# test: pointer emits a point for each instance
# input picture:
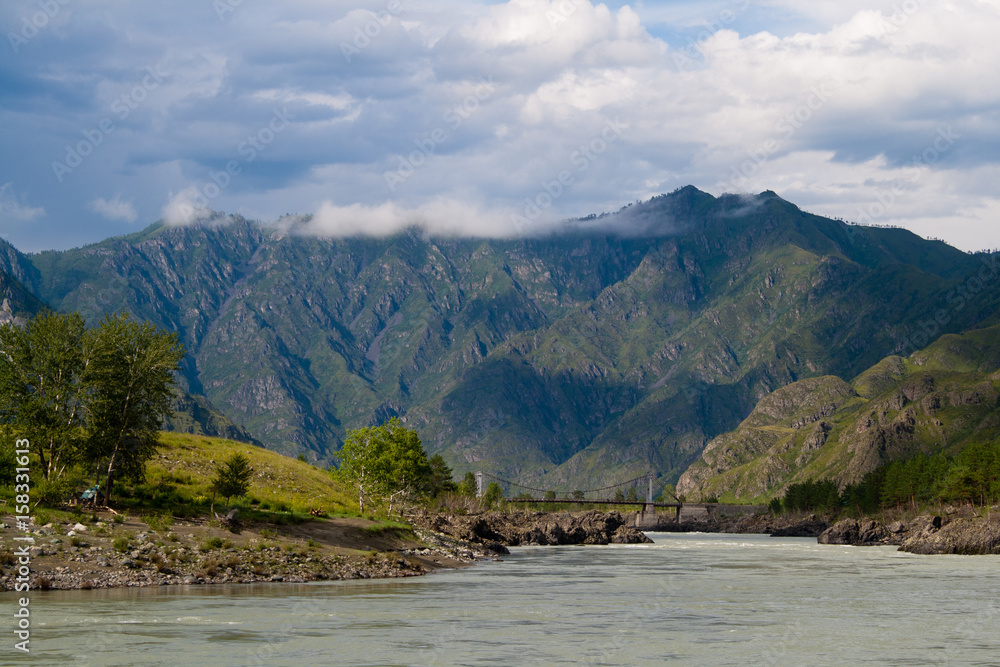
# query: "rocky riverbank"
(105, 554)
(498, 530)
(965, 533)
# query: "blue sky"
(490, 118)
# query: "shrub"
(159, 522)
(121, 544)
(211, 543)
(53, 492)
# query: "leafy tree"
(578, 495)
(383, 462)
(493, 494)
(40, 391)
(631, 495)
(232, 478)
(467, 487)
(128, 379)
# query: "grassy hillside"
(939, 399)
(196, 415)
(180, 475)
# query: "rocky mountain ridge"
(937, 399)
(617, 346)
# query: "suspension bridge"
(623, 493)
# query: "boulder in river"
(856, 532)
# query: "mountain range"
(936, 400)
(612, 346)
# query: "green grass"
(389, 528)
(282, 489)
(213, 543)
(159, 522)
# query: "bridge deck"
(587, 501)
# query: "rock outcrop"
(967, 536)
(926, 534)
(541, 528)
(856, 532)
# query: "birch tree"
(384, 462)
(129, 379)
(40, 392)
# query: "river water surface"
(689, 599)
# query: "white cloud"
(186, 208)
(116, 209)
(441, 216)
(13, 210)
(894, 72)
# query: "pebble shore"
(89, 557)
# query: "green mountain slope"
(939, 399)
(16, 302)
(195, 415)
(621, 345)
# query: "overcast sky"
(490, 117)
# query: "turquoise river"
(689, 599)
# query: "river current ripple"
(690, 599)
